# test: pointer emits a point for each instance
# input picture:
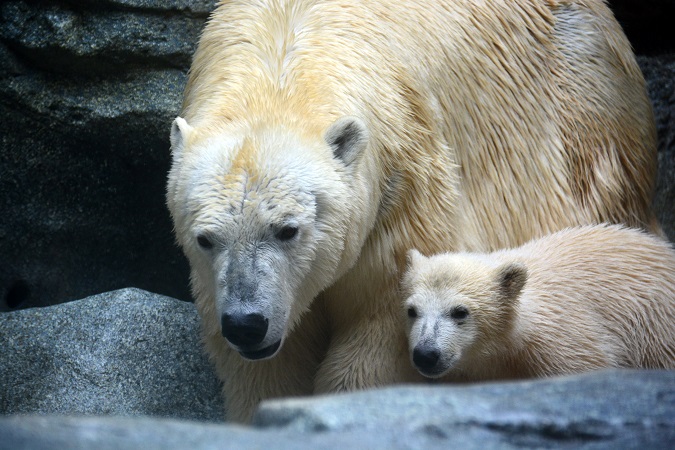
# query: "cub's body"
(580, 299)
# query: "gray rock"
(660, 75)
(114, 433)
(126, 352)
(606, 410)
(196, 7)
(71, 371)
(88, 39)
(664, 203)
(620, 409)
(88, 90)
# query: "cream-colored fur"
(580, 299)
(373, 127)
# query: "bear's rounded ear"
(179, 131)
(511, 279)
(348, 137)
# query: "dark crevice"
(648, 25)
(18, 294)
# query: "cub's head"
(457, 306)
(267, 217)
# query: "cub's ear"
(179, 132)
(511, 279)
(348, 137)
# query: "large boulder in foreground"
(68, 369)
(127, 352)
(604, 410)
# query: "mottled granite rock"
(606, 410)
(660, 75)
(125, 353)
(88, 90)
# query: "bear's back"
(546, 129)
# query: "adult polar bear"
(320, 140)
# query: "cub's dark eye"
(412, 313)
(459, 313)
(204, 242)
(287, 233)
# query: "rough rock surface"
(608, 410)
(70, 371)
(125, 353)
(620, 409)
(88, 90)
(660, 75)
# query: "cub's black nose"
(426, 356)
(244, 330)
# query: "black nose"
(426, 356)
(244, 329)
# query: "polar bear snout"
(244, 330)
(425, 357)
(250, 335)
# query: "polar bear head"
(268, 216)
(458, 305)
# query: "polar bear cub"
(580, 299)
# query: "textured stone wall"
(88, 90)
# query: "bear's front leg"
(369, 353)
(290, 373)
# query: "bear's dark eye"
(412, 313)
(287, 233)
(459, 313)
(204, 242)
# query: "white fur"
(481, 127)
(581, 299)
